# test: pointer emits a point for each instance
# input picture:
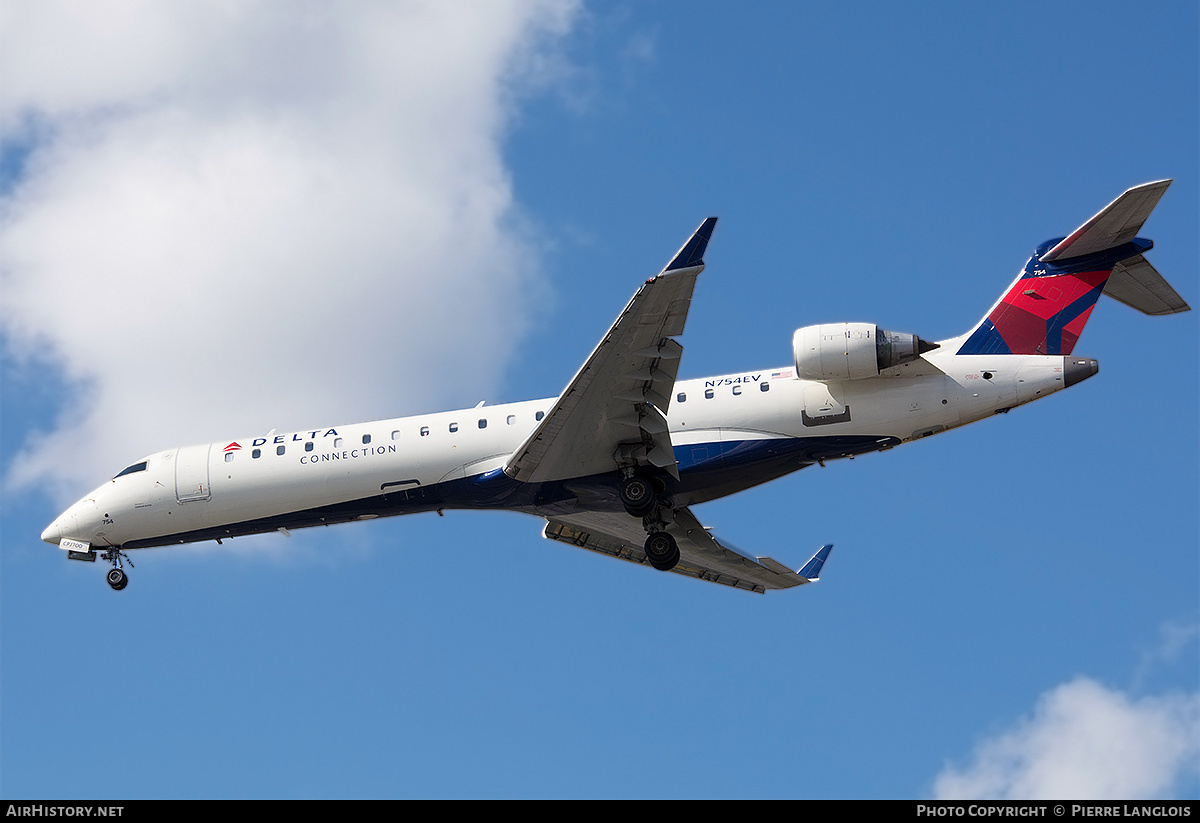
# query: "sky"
(221, 219)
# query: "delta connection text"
(324, 457)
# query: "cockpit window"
(136, 467)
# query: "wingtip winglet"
(692, 253)
(812, 569)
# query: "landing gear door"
(191, 474)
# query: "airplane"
(618, 460)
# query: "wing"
(701, 555)
(613, 411)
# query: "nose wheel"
(116, 576)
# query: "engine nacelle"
(852, 351)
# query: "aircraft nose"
(62, 527)
(53, 533)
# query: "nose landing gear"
(116, 576)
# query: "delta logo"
(233, 447)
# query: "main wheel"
(662, 551)
(117, 579)
(637, 495)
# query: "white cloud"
(1178, 640)
(238, 217)
(1086, 741)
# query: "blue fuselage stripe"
(706, 470)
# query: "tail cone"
(1078, 369)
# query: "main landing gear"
(116, 576)
(639, 496)
(662, 551)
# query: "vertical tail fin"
(1045, 309)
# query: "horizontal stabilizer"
(1138, 284)
(1116, 224)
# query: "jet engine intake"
(852, 351)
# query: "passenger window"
(424, 431)
(708, 394)
(482, 423)
(681, 397)
(366, 439)
(337, 442)
(737, 389)
(228, 457)
(257, 453)
(453, 427)
(280, 449)
(396, 434)
(764, 386)
(539, 415)
(512, 418)
(308, 446)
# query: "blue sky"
(266, 221)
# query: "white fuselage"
(728, 433)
